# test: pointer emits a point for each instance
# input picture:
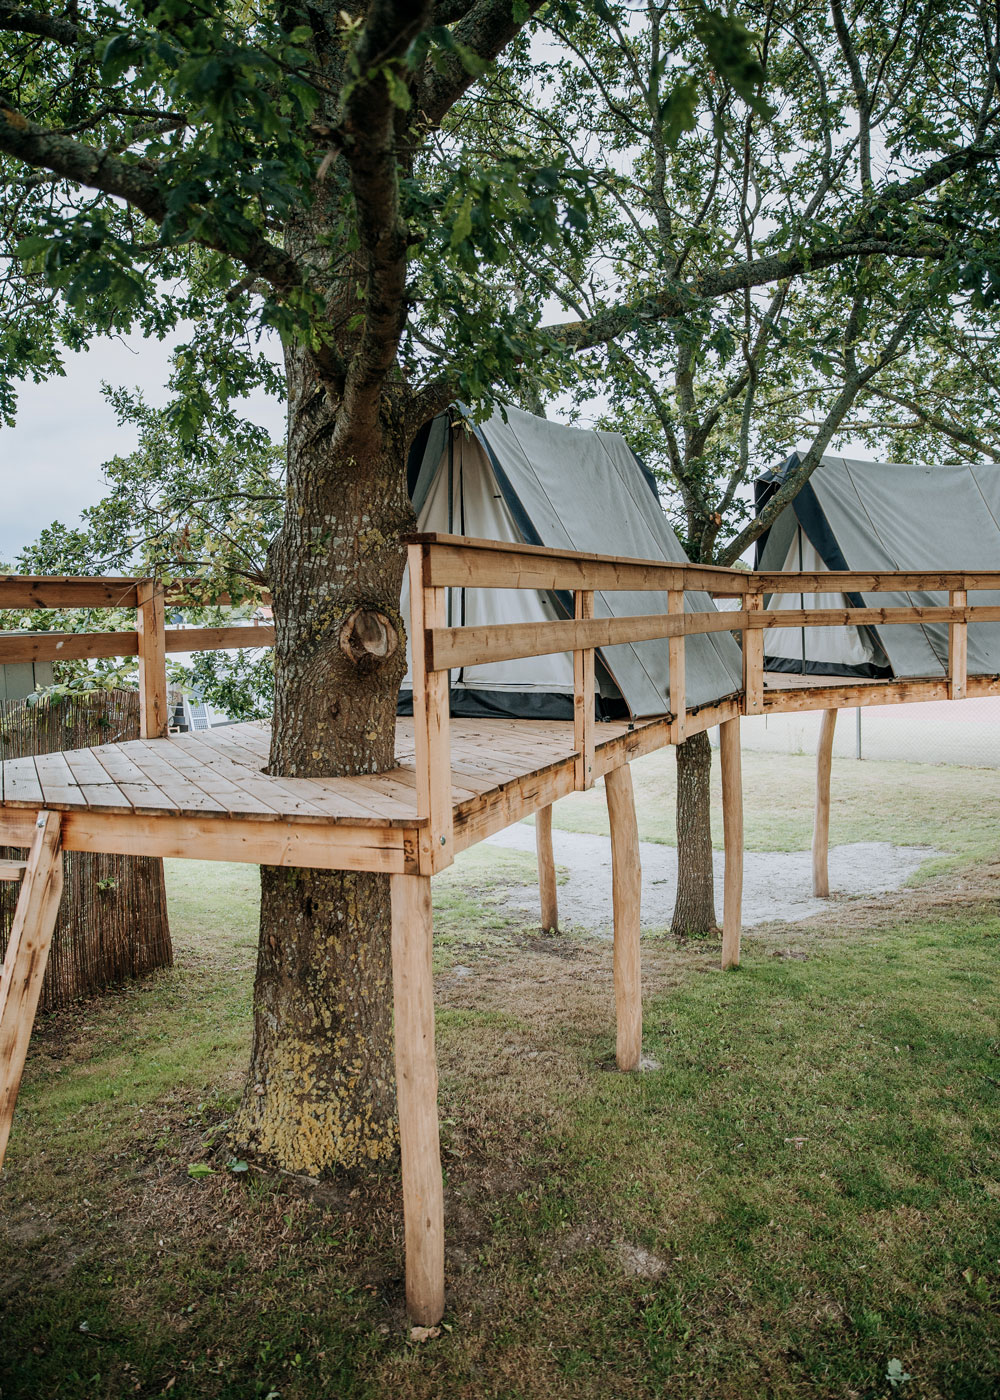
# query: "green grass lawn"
(803, 1193)
(910, 804)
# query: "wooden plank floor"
(219, 773)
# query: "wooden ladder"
(41, 877)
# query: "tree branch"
(17, 20)
(371, 157)
(794, 482)
(98, 168)
(864, 239)
(678, 298)
(485, 30)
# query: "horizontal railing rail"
(26, 591)
(884, 581)
(85, 646)
(452, 647)
(151, 641)
(456, 561)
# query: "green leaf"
(33, 244)
(462, 224)
(200, 1169)
(399, 93)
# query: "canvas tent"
(854, 514)
(528, 480)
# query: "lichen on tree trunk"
(320, 1093)
(694, 908)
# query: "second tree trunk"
(694, 909)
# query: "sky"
(51, 460)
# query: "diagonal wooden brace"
(27, 955)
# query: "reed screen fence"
(112, 923)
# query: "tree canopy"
(818, 241)
(427, 199)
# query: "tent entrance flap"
(817, 651)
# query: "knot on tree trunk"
(368, 638)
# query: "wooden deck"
(207, 796)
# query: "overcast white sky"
(50, 462)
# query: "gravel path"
(776, 884)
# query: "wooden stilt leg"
(732, 828)
(416, 1090)
(626, 878)
(821, 827)
(27, 955)
(546, 870)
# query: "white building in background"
(22, 678)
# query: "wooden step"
(12, 869)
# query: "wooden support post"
(151, 627)
(821, 826)
(431, 723)
(753, 659)
(416, 1093)
(548, 897)
(27, 955)
(626, 883)
(732, 836)
(675, 655)
(583, 698)
(958, 648)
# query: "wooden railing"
(151, 641)
(957, 613)
(439, 562)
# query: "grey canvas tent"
(532, 481)
(853, 514)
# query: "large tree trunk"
(320, 1092)
(694, 908)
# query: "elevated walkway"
(208, 796)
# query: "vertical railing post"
(732, 832)
(626, 895)
(753, 659)
(675, 656)
(583, 697)
(821, 825)
(958, 648)
(547, 887)
(416, 1096)
(431, 721)
(151, 629)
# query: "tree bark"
(694, 908)
(320, 1092)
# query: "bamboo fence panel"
(113, 919)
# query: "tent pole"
(626, 885)
(821, 828)
(732, 828)
(548, 897)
